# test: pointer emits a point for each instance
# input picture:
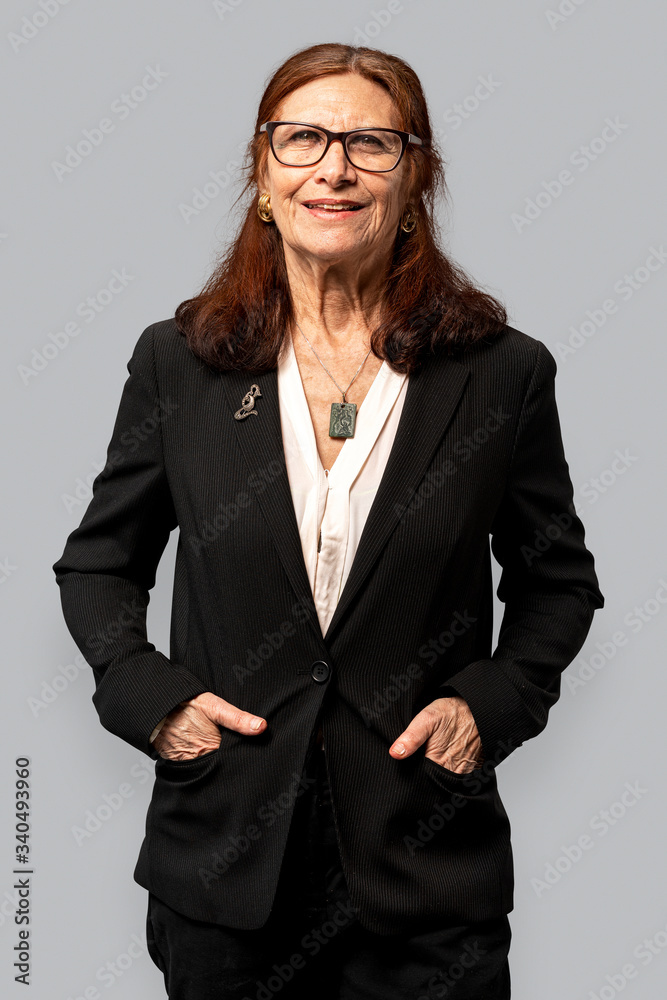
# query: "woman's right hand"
(192, 728)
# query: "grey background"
(121, 208)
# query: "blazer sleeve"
(548, 582)
(109, 564)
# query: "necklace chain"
(327, 370)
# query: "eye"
(305, 135)
(368, 140)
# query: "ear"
(262, 180)
(412, 195)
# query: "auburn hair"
(241, 315)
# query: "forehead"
(340, 101)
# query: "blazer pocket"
(473, 784)
(187, 762)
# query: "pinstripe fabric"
(477, 457)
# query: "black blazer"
(477, 454)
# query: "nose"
(335, 166)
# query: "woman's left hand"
(452, 740)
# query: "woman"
(336, 424)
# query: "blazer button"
(320, 671)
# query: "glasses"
(298, 144)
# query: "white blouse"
(332, 505)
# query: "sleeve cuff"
(157, 729)
(496, 705)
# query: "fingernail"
(398, 748)
(255, 724)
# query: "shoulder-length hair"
(240, 317)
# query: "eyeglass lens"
(374, 149)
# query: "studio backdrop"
(124, 127)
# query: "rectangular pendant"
(342, 420)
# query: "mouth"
(328, 207)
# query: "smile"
(328, 208)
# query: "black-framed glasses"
(299, 144)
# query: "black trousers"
(312, 945)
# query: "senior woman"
(337, 424)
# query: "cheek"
(286, 208)
(391, 210)
(391, 200)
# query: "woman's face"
(339, 102)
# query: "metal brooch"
(248, 403)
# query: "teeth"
(332, 208)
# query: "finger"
(230, 716)
(416, 733)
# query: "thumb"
(223, 713)
(417, 732)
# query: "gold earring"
(408, 220)
(264, 208)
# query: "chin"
(334, 248)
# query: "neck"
(337, 304)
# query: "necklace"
(343, 415)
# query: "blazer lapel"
(430, 401)
(261, 441)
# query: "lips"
(330, 207)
